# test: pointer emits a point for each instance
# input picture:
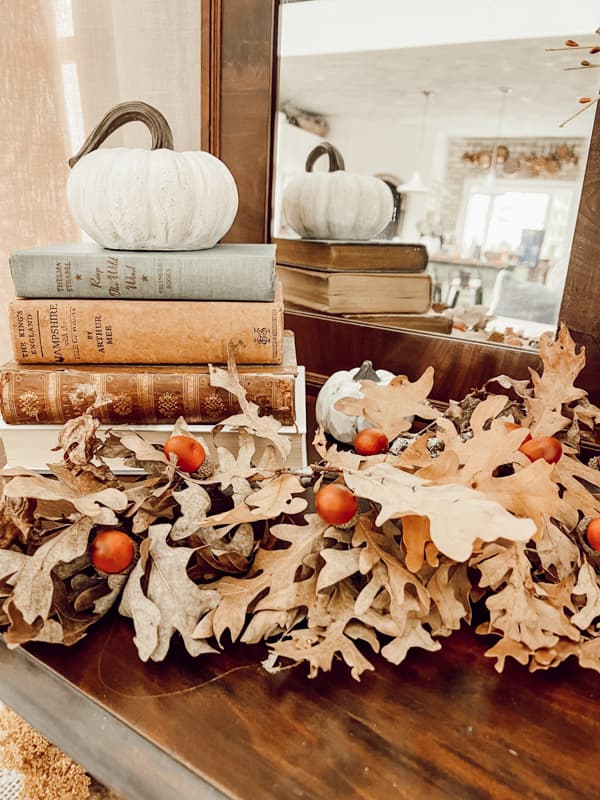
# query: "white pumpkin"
(135, 199)
(336, 204)
(346, 383)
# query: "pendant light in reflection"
(490, 179)
(415, 184)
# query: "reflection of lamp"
(415, 184)
(491, 176)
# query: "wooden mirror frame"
(239, 58)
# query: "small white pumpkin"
(336, 204)
(346, 383)
(136, 199)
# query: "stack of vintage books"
(137, 330)
(378, 282)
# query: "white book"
(31, 446)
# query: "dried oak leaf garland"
(449, 516)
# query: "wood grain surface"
(441, 725)
(238, 82)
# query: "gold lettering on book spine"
(143, 397)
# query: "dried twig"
(580, 111)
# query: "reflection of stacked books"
(356, 278)
(135, 331)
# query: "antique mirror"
(269, 82)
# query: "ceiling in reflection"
(465, 79)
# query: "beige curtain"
(63, 64)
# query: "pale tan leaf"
(394, 596)
(11, 562)
(274, 498)
(194, 503)
(241, 542)
(391, 407)
(342, 459)
(443, 469)
(586, 587)
(549, 657)
(555, 386)
(519, 615)
(555, 549)
(232, 467)
(589, 654)
(273, 571)
(529, 492)
(143, 451)
(78, 439)
(269, 460)
(569, 473)
(449, 589)
(39, 488)
(33, 586)
(487, 410)
(490, 447)
(264, 624)
(458, 515)
(266, 427)
(367, 597)
(416, 455)
(171, 601)
(320, 645)
(51, 633)
(414, 636)
(339, 565)
(521, 388)
(587, 413)
(498, 562)
(505, 648)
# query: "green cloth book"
(86, 271)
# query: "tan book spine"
(143, 397)
(144, 331)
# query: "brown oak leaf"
(273, 571)
(194, 504)
(391, 407)
(586, 587)
(555, 386)
(449, 588)
(38, 487)
(161, 599)
(320, 645)
(265, 427)
(275, 497)
(233, 470)
(78, 439)
(33, 587)
(458, 515)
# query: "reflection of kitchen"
(481, 172)
(497, 222)
(518, 217)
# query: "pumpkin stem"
(366, 373)
(336, 161)
(121, 114)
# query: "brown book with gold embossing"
(144, 394)
(145, 331)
